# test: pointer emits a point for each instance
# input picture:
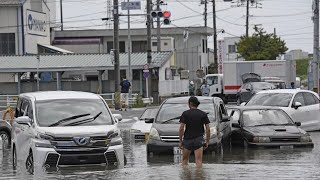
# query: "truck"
(226, 84)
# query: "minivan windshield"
(265, 117)
(169, 111)
(72, 112)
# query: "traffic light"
(166, 17)
(155, 14)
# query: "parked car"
(60, 128)
(5, 134)
(267, 127)
(301, 105)
(164, 133)
(140, 129)
(279, 83)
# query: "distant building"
(188, 44)
(27, 25)
(296, 54)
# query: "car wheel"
(5, 139)
(14, 157)
(30, 163)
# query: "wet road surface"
(236, 163)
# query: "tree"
(261, 46)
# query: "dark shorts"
(193, 144)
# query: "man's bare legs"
(185, 156)
(198, 157)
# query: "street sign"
(146, 66)
(135, 5)
(146, 70)
(146, 74)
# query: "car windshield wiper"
(85, 120)
(68, 119)
(267, 125)
(174, 119)
(286, 124)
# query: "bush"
(139, 102)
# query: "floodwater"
(236, 163)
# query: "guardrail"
(8, 101)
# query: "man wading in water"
(192, 124)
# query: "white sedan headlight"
(154, 134)
(261, 139)
(305, 139)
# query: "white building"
(296, 54)
(25, 24)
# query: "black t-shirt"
(125, 86)
(194, 119)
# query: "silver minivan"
(58, 128)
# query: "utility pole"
(247, 20)
(149, 56)
(158, 29)
(205, 13)
(215, 48)
(116, 53)
(61, 15)
(129, 55)
(315, 64)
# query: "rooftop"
(77, 62)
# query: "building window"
(136, 74)
(165, 44)
(231, 48)
(154, 43)
(111, 74)
(139, 46)
(7, 44)
(122, 46)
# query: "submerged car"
(140, 130)
(251, 85)
(301, 105)
(267, 127)
(164, 133)
(60, 128)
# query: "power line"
(229, 22)
(284, 15)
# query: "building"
(296, 54)
(25, 24)
(188, 44)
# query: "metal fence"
(173, 87)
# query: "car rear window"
(169, 111)
(270, 99)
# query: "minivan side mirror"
(235, 125)
(296, 105)
(243, 104)
(297, 123)
(118, 116)
(135, 118)
(225, 118)
(24, 120)
(149, 120)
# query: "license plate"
(177, 151)
(286, 147)
(177, 159)
(146, 137)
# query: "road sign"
(146, 66)
(135, 5)
(146, 74)
(146, 70)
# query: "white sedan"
(140, 129)
(302, 105)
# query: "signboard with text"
(135, 5)
(36, 23)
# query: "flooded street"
(236, 163)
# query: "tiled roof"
(74, 62)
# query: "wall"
(34, 37)
(83, 48)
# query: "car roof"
(184, 99)
(52, 95)
(242, 108)
(291, 91)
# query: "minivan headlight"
(44, 137)
(154, 134)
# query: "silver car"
(60, 128)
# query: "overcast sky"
(291, 18)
